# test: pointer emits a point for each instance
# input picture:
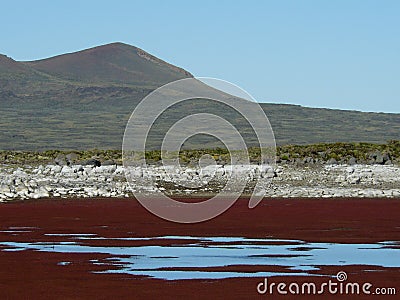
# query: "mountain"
(83, 100)
(115, 63)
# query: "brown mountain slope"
(20, 78)
(10, 66)
(115, 63)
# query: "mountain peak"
(114, 63)
(115, 46)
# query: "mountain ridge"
(82, 100)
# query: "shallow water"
(196, 253)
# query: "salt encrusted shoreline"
(26, 182)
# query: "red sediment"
(37, 275)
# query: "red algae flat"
(39, 275)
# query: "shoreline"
(328, 181)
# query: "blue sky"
(337, 54)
